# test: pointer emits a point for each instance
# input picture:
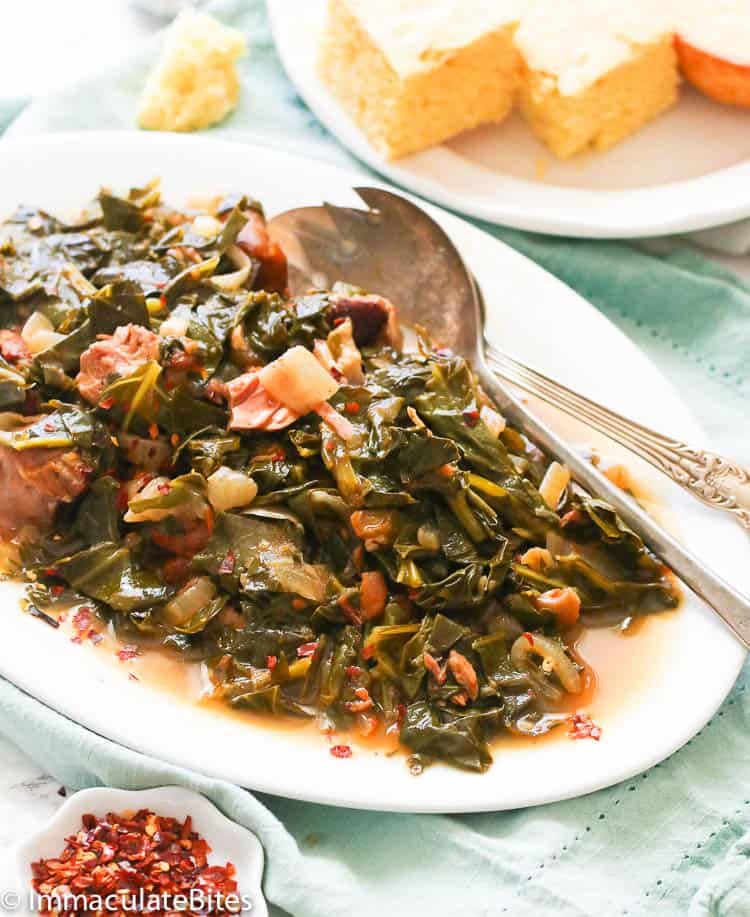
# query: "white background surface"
(43, 45)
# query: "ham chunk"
(13, 348)
(371, 317)
(255, 241)
(275, 396)
(34, 482)
(115, 355)
(253, 408)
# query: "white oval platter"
(533, 315)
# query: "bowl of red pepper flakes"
(165, 851)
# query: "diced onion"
(39, 333)
(306, 580)
(228, 489)
(151, 490)
(298, 381)
(428, 537)
(173, 327)
(191, 599)
(553, 484)
(206, 226)
(494, 422)
(553, 659)
(234, 280)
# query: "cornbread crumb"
(194, 83)
(608, 110)
(420, 84)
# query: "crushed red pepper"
(341, 751)
(128, 652)
(131, 859)
(581, 726)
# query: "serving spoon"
(397, 250)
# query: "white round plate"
(688, 170)
(229, 842)
(663, 703)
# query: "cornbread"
(713, 46)
(194, 83)
(412, 73)
(594, 70)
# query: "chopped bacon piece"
(307, 649)
(12, 347)
(370, 315)
(564, 603)
(432, 666)
(256, 242)
(463, 672)
(373, 594)
(118, 354)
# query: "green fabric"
(673, 841)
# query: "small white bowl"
(228, 841)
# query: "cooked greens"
(384, 561)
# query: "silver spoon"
(394, 248)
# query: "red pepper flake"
(106, 403)
(354, 671)
(298, 604)
(529, 637)
(127, 652)
(174, 439)
(164, 488)
(330, 445)
(272, 662)
(50, 571)
(471, 417)
(307, 649)
(338, 321)
(153, 431)
(583, 727)
(227, 565)
(133, 859)
(82, 620)
(341, 751)
(163, 300)
(352, 407)
(57, 589)
(49, 427)
(368, 651)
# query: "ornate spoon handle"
(711, 478)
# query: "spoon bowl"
(395, 249)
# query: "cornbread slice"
(595, 70)
(412, 73)
(713, 46)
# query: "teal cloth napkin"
(673, 841)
